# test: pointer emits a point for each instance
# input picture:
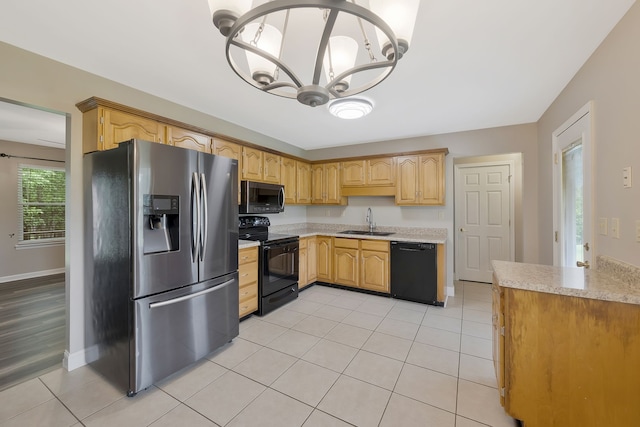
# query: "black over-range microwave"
(261, 198)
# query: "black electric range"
(277, 263)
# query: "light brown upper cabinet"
(189, 139)
(260, 166)
(421, 179)
(380, 171)
(303, 182)
(296, 178)
(103, 128)
(325, 184)
(224, 148)
(288, 175)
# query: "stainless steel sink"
(366, 233)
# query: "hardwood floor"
(32, 328)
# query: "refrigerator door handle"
(195, 216)
(190, 296)
(204, 228)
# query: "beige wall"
(611, 78)
(19, 263)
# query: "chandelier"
(307, 50)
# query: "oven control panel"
(254, 221)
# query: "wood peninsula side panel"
(571, 361)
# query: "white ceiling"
(472, 64)
(19, 123)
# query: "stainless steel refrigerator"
(161, 259)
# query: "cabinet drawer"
(248, 307)
(248, 292)
(248, 273)
(340, 242)
(247, 255)
(374, 245)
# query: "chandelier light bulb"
(344, 51)
(401, 17)
(268, 40)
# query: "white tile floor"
(330, 358)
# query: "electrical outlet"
(615, 228)
(441, 215)
(603, 227)
(626, 177)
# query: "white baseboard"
(79, 358)
(31, 275)
(451, 291)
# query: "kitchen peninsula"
(566, 343)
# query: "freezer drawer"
(176, 328)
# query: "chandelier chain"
(331, 73)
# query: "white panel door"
(483, 220)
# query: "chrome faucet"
(369, 220)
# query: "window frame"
(40, 242)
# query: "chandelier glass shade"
(314, 50)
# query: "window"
(41, 203)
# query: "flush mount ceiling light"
(350, 108)
(282, 46)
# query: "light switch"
(603, 226)
(615, 228)
(626, 177)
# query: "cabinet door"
(381, 172)
(406, 188)
(232, 151)
(271, 168)
(346, 266)
(324, 264)
(303, 183)
(303, 276)
(375, 271)
(312, 259)
(431, 180)
(288, 175)
(118, 126)
(317, 184)
(332, 183)
(353, 173)
(188, 139)
(251, 164)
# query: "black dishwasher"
(414, 272)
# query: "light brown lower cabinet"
(361, 263)
(566, 361)
(248, 280)
(307, 271)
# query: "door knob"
(463, 230)
(583, 264)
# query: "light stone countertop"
(242, 244)
(570, 281)
(403, 234)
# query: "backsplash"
(620, 270)
(334, 228)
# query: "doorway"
(485, 210)
(32, 275)
(572, 197)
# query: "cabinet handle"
(245, 275)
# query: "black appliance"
(414, 272)
(261, 198)
(277, 263)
